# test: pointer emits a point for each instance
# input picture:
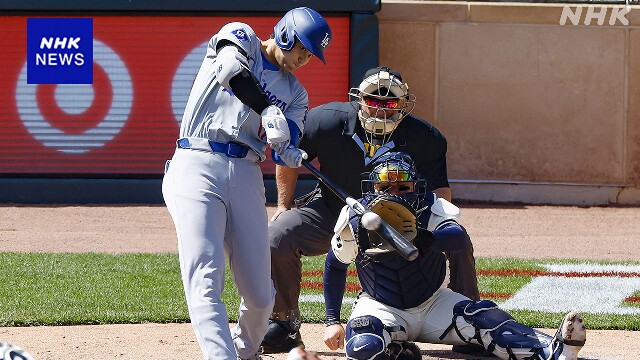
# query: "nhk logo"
(59, 51)
(617, 15)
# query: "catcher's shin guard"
(484, 323)
(369, 339)
(366, 338)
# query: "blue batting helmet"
(308, 26)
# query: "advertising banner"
(126, 121)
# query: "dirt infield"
(595, 233)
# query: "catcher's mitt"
(396, 212)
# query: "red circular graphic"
(77, 123)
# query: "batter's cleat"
(569, 338)
(279, 339)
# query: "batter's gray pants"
(307, 231)
(218, 207)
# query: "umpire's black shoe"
(280, 339)
(472, 349)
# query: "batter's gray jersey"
(214, 113)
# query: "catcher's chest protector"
(396, 281)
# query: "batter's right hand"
(292, 156)
(334, 336)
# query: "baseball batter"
(404, 301)
(243, 97)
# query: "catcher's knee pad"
(484, 323)
(366, 338)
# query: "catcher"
(404, 301)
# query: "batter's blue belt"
(231, 149)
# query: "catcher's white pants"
(423, 323)
(428, 321)
(218, 206)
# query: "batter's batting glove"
(292, 156)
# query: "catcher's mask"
(395, 173)
(384, 100)
(394, 191)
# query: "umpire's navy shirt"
(328, 137)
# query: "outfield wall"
(534, 111)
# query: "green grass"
(66, 289)
(72, 289)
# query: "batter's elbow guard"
(230, 63)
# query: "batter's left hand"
(334, 336)
(292, 156)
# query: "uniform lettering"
(274, 99)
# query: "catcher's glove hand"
(396, 212)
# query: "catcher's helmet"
(306, 25)
(387, 100)
(395, 167)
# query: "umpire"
(346, 137)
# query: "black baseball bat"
(386, 231)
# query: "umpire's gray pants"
(307, 231)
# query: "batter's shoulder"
(238, 33)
